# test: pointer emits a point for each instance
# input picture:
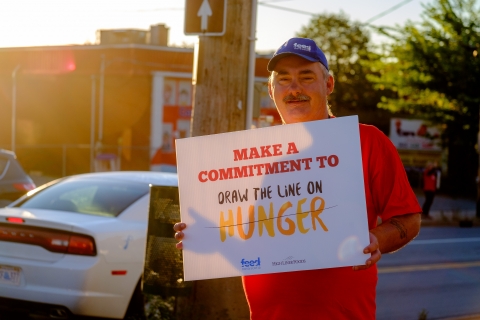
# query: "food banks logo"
(250, 264)
(303, 47)
(287, 261)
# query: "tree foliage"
(347, 47)
(432, 70)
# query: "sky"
(63, 22)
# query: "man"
(299, 84)
(430, 174)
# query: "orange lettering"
(290, 223)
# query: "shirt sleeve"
(390, 191)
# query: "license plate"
(10, 275)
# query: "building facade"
(112, 106)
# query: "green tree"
(432, 70)
(348, 49)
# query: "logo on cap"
(302, 47)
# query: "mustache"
(299, 97)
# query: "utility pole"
(220, 105)
(220, 91)
(101, 99)
(14, 106)
(92, 124)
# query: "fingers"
(178, 227)
(179, 235)
(358, 268)
(374, 258)
(375, 254)
(372, 247)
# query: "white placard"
(275, 199)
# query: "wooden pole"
(220, 91)
(220, 104)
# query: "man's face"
(300, 90)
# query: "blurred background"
(93, 86)
(88, 86)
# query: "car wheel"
(136, 307)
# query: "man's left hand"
(373, 249)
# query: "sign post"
(205, 17)
(220, 95)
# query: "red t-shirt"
(429, 180)
(339, 293)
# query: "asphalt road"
(438, 274)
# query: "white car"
(76, 246)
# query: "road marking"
(438, 241)
(426, 267)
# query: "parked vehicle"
(76, 246)
(14, 182)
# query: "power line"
(285, 9)
(183, 8)
(384, 13)
(268, 4)
(381, 14)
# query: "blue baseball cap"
(302, 47)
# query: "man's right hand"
(179, 227)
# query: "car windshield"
(95, 197)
